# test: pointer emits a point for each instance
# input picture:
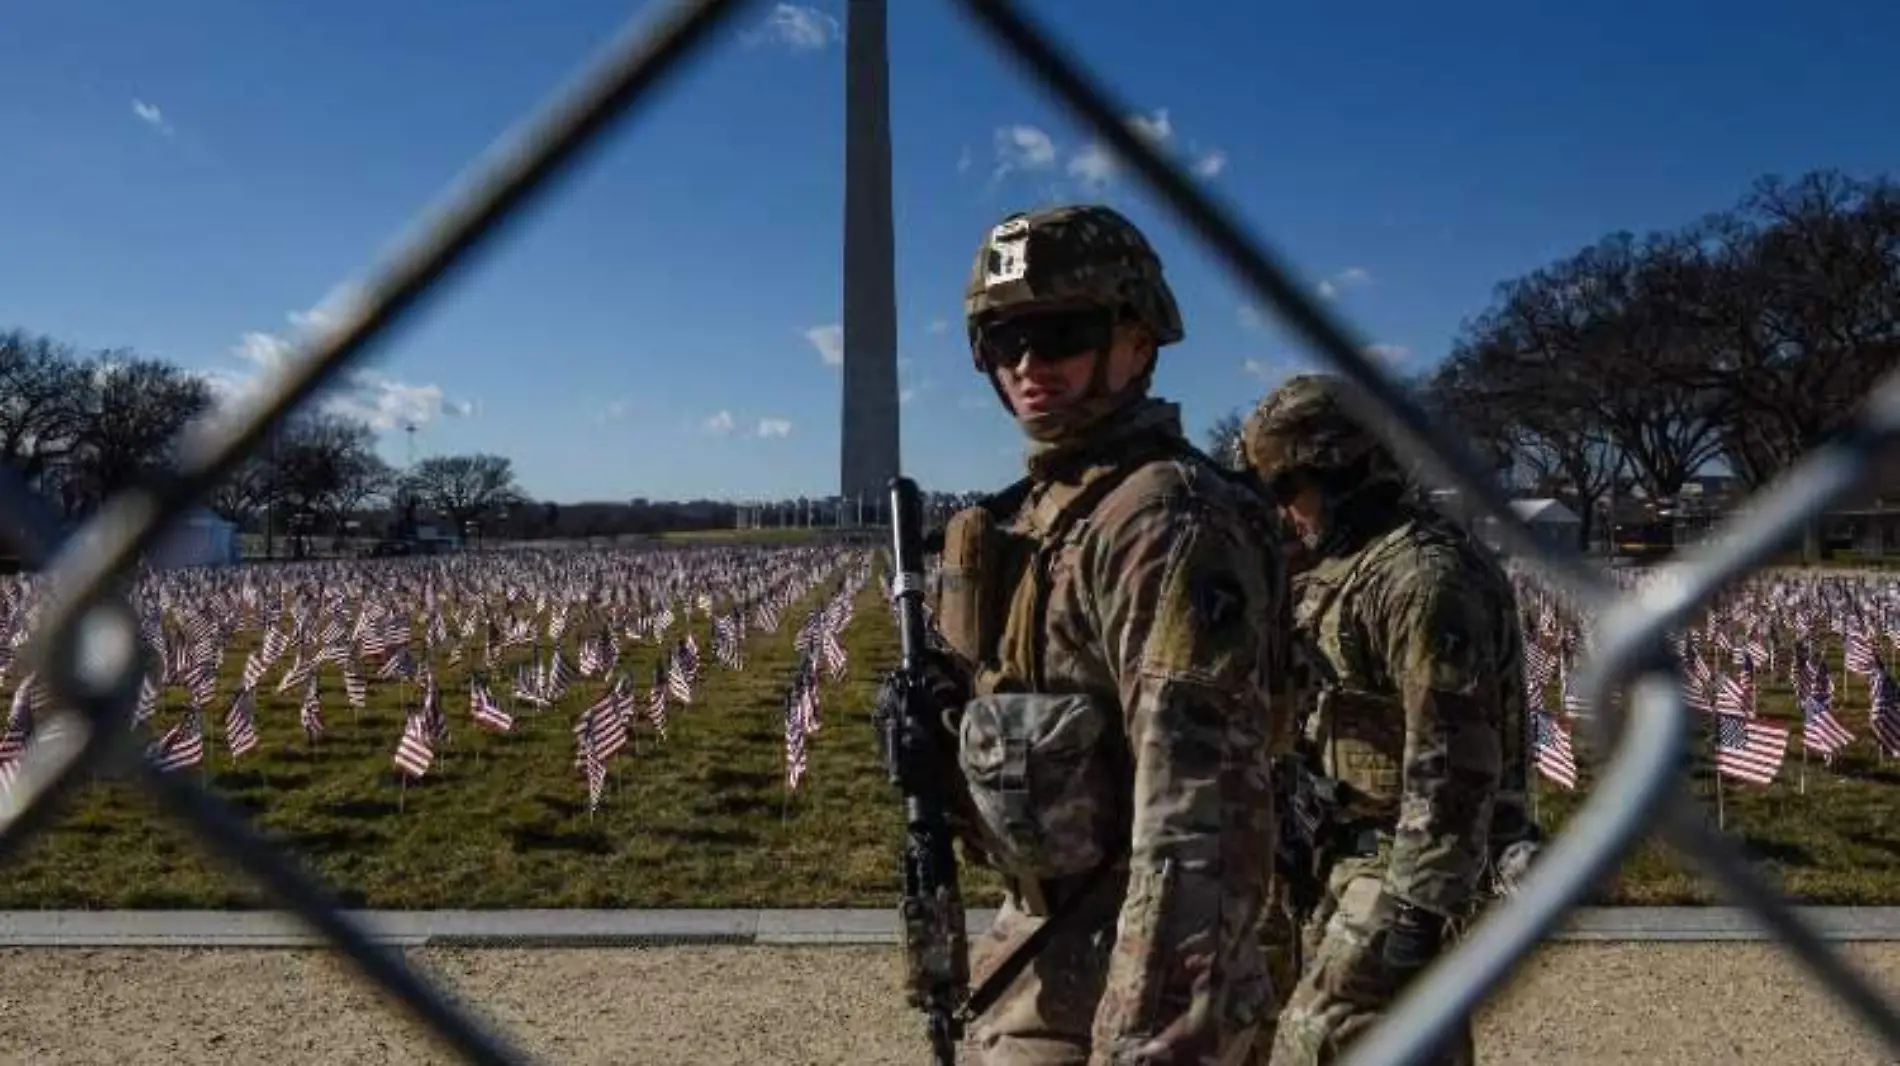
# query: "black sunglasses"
(1046, 336)
(1283, 487)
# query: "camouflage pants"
(1280, 945)
(1044, 1018)
(1346, 985)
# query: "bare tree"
(464, 487)
(239, 497)
(325, 464)
(1223, 440)
(132, 409)
(365, 477)
(43, 389)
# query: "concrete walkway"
(658, 928)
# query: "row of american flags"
(1762, 633)
(400, 622)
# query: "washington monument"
(869, 452)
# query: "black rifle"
(936, 949)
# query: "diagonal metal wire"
(85, 643)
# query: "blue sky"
(191, 180)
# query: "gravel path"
(827, 1006)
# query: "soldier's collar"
(1146, 417)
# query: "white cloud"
(939, 325)
(384, 402)
(1250, 317)
(720, 424)
(1209, 164)
(1156, 130)
(1023, 148)
(797, 26)
(774, 427)
(977, 403)
(829, 340)
(1391, 353)
(387, 404)
(966, 160)
(1349, 277)
(151, 116)
(1263, 369)
(1092, 166)
(908, 392)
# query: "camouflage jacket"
(1422, 721)
(1158, 604)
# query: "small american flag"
(240, 724)
(1820, 730)
(1750, 749)
(488, 714)
(1550, 745)
(416, 750)
(1883, 715)
(182, 746)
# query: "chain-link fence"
(88, 645)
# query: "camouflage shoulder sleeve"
(1440, 625)
(1180, 588)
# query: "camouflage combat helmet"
(1306, 426)
(1081, 255)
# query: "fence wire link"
(88, 651)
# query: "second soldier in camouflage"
(1416, 727)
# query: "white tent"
(1550, 521)
(197, 538)
(1545, 513)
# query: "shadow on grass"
(241, 780)
(580, 841)
(360, 808)
(732, 837)
(1777, 851)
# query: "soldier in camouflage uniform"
(1415, 731)
(1111, 626)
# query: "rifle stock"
(936, 949)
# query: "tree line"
(79, 427)
(1736, 343)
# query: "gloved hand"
(946, 677)
(1373, 970)
(1413, 939)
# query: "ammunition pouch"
(1360, 737)
(983, 564)
(1040, 781)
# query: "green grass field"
(703, 818)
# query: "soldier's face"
(1303, 507)
(1045, 361)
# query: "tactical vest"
(994, 581)
(995, 587)
(1357, 728)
